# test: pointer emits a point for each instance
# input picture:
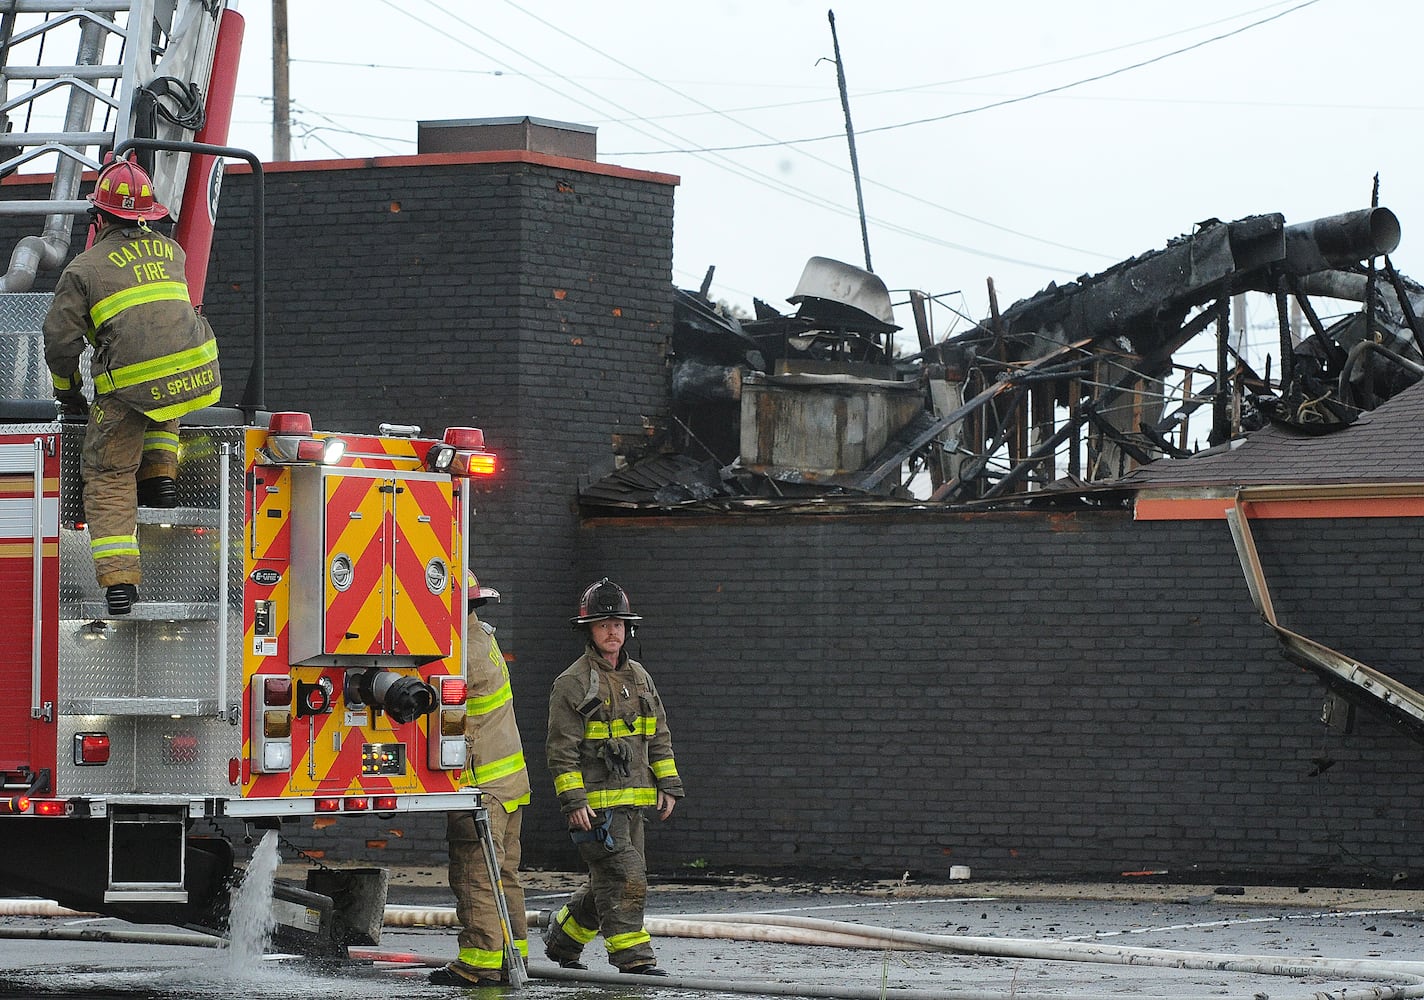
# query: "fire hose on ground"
(1406, 978)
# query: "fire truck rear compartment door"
(356, 555)
(371, 567)
(424, 524)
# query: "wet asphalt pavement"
(1333, 941)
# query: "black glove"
(600, 833)
(72, 404)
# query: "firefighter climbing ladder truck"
(297, 647)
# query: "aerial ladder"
(135, 69)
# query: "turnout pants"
(121, 446)
(611, 902)
(481, 937)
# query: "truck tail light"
(15, 804)
(445, 747)
(276, 690)
(357, 804)
(453, 691)
(276, 725)
(385, 803)
(474, 463)
(91, 749)
(51, 807)
(452, 722)
(271, 723)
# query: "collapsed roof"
(1060, 397)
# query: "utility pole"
(850, 137)
(281, 93)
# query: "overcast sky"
(1028, 142)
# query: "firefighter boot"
(644, 970)
(449, 977)
(120, 597)
(158, 491)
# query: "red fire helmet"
(124, 189)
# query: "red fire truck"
(296, 651)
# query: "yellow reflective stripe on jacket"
(501, 768)
(612, 798)
(486, 704)
(622, 942)
(169, 364)
(178, 409)
(666, 768)
(568, 781)
(155, 291)
(643, 725)
(523, 800)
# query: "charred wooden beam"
(1405, 305)
(877, 473)
(1220, 417)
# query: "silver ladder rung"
(43, 207)
(140, 707)
(185, 517)
(62, 6)
(20, 140)
(138, 894)
(152, 611)
(99, 71)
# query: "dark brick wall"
(1018, 693)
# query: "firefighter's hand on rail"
(72, 404)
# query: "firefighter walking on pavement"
(495, 757)
(610, 754)
(155, 359)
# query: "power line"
(413, 69)
(985, 107)
(834, 166)
(729, 165)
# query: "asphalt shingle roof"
(1383, 445)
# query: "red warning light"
(452, 690)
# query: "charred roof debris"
(1054, 399)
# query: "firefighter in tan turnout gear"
(154, 360)
(496, 766)
(610, 754)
